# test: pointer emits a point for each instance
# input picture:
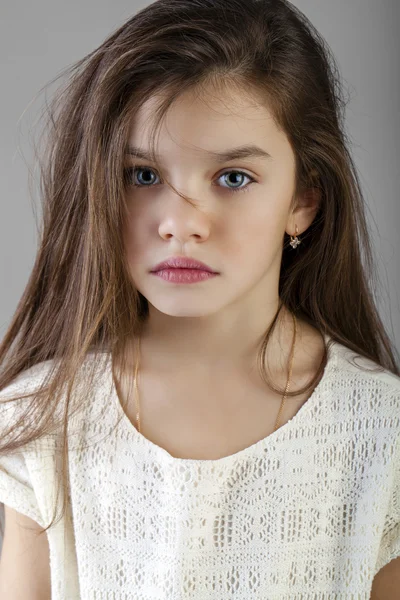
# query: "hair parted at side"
(80, 299)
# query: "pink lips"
(184, 275)
(182, 262)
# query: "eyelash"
(141, 168)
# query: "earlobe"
(307, 204)
(312, 199)
(306, 209)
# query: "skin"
(386, 584)
(216, 326)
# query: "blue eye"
(130, 172)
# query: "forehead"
(204, 125)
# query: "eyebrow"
(249, 151)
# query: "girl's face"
(239, 221)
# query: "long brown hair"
(80, 298)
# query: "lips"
(181, 262)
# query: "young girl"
(197, 373)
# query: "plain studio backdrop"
(38, 40)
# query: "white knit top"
(310, 512)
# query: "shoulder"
(29, 380)
(356, 366)
(372, 389)
(16, 398)
(25, 384)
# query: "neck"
(175, 344)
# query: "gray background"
(38, 40)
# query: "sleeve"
(16, 489)
(390, 541)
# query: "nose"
(184, 223)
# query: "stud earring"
(294, 241)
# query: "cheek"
(138, 224)
(257, 233)
(132, 237)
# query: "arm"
(25, 560)
(386, 584)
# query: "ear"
(307, 205)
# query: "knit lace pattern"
(312, 511)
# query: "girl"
(197, 368)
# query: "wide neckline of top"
(302, 416)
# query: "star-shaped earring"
(294, 241)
